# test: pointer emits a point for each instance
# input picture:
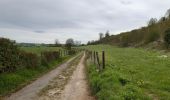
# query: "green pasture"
(130, 74)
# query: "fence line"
(63, 52)
(94, 57)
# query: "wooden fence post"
(94, 54)
(91, 55)
(98, 62)
(61, 53)
(64, 53)
(103, 59)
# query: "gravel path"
(30, 91)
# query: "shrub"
(49, 56)
(29, 60)
(152, 36)
(9, 58)
(124, 41)
(71, 52)
(167, 37)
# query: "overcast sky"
(43, 21)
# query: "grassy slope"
(10, 82)
(149, 36)
(130, 74)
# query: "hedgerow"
(49, 56)
(12, 58)
(71, 52)
(9, 55)
(29, 60)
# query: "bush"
(29, 60)
(167, 38)
(49, 56)
(152, 36)
(71, 52)
(9, 58)
(124, 40)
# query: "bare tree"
(107, 34)
(167, 15)
(57, 43)
(152, 21)
(101, 36)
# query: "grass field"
(38, 50)
(130, 74)
(12, 81)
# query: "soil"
(77, 88)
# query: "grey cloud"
(79, 17)
(39, 31)
(126, 2)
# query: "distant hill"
(36, 45)
(28, 44)
(152, 35)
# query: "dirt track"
(70, 85)
(77, 88)
(30, 91)
(67, 82)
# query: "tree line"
(156, 33)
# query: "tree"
(107, 34)
(167, 15)
(100, 36)
(152, 21)
(88, 43)
(69, 43)
(77, 43)
(57, 43)
(162, 19)
(167, 38)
